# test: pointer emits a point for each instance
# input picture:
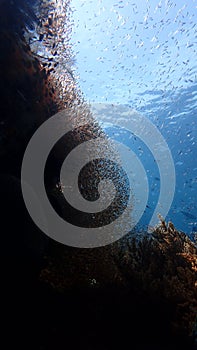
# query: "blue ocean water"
(143, 55)
(176, 119)
(180, 133)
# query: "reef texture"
(160, 267)
(165, 266)
(139, 291)
(27, 97)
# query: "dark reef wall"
(27, 97)
(138, 292)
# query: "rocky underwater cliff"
(139, 292)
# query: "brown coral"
(154, 275)
(165, 265)
(160, 267)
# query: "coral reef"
(27, 97)
(165, 266)
(158, 268)
(141, 290)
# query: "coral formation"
(27, 96)
(160, 267)
(165, 265)
(140, 290)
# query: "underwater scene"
(98, 174)
(143, 55)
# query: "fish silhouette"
(188, 215)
